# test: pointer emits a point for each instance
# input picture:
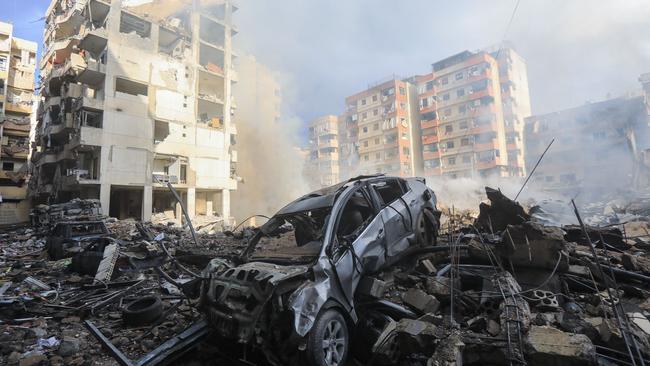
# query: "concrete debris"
(501, 288)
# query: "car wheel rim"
(334, 343)
(422, 228)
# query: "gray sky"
(577, 50)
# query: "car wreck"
(295, 286)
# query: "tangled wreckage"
(365, 272)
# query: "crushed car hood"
(233, 298)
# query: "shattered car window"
(298, 237)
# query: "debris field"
(511, 286)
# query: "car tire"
(142, 311)
(55, 249)
(328, 343)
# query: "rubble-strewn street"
(505, 289)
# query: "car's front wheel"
(328, 341)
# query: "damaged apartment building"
(135, 95)
(598, 147)
(465, 118)
(379, 131)
(324, 151)
(17, 65)
(472, 110)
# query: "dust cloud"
(270, 163)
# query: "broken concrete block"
(533, 245)
(421, 301)
(415, 335)
(548, 345)
(438, 286)
(493, 327)
(370, 286)
(640, 321)
(426, 266)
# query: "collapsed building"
(17, 65)
(135, 95)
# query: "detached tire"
(328, 343)
(142, 311)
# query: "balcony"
(331, 143)
(94, 41)
(162, 179)
(483, 128)
(485, 146)
(20, 107)
(76, 177)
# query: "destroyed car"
(294, 286)
(69, 238)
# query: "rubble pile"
(513, 291)
(506, 286)
(46, 303)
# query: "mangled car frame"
(292, 292)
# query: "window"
(377, 156)
(363, 101)
(450, 144)
(449, 129)
(366, 157)
(375, 112)
(444, 81)
(451, 161)
(402, 91)
(406, 151)
(374, 98)
(460, 92)
(377, 141)
(430, 147)
(432, 163)
(8, 166)
(130, 87)
(429, 131)
(3, 63)
(428, 116)
(464, 141)
(424, 102)
(459, 75)
(429, 85)
(445, 96)
(364, 115)
(365, 143)
(447, 112)
(130, 24)
(388, 190)
(365, 129)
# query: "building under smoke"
(323, 159)
(472, 108)
(135, 94)
(380, 131)
(17, 66)
(598, 148)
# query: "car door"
(366, 253)
(394, 213)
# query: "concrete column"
(105, 197)
(225, 205)
(147, 202)
(191, 202)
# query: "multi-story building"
(323, 159)
(380, 130)
(17, 66)
(472, 107)
(136, 94)
(597, 146)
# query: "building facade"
(17, 67)
(597, 146)
(379, 132)
(323, 158)
(472, 107)
(136, 94)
